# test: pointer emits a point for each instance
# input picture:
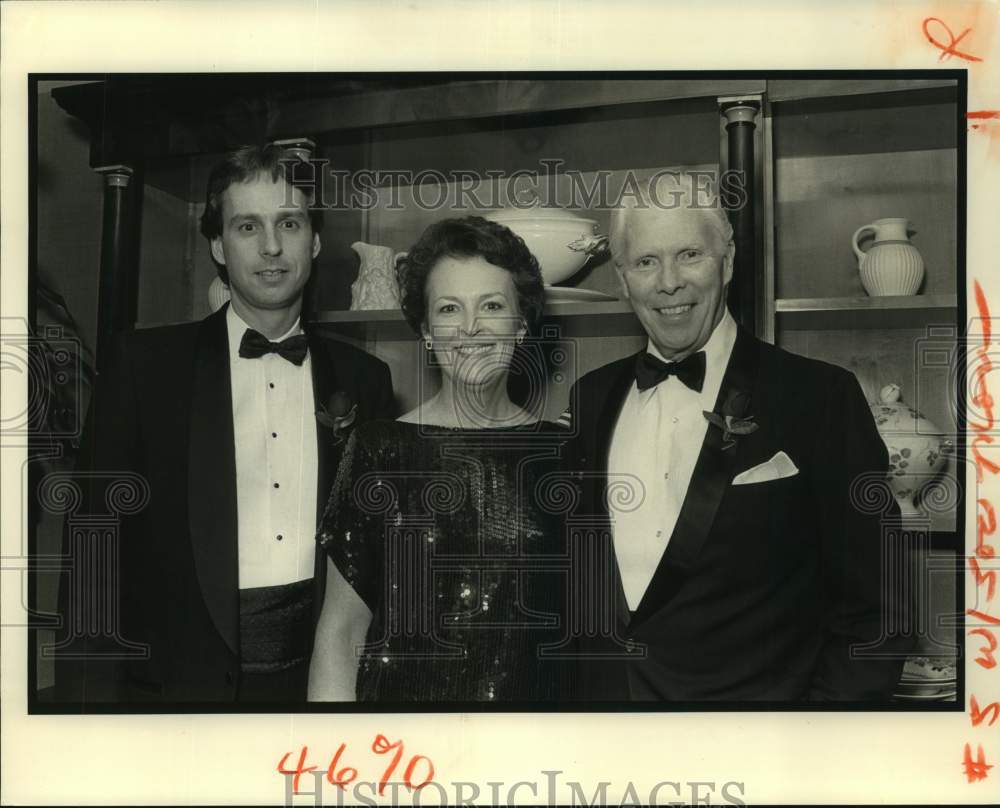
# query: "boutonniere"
(732, 418)
(338, 414)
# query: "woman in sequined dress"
(446, 571)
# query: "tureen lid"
(537, 213)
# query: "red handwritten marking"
(982, 397)
(985, 527)
(986, 521)
(340, 778)
(987, 660)
(982, 114)
(347, 774)
(986, 618)
(982, 462)
(949, 48)
(408, 774)
(989, 578)
(975, 769)
(381, 746)
(299, 770)
(978, 714)
(984, 313)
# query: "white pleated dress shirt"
(656, 441)
(275, 433)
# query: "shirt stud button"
(271, 385)
(277, 486)
(274, 434)
(280, 537)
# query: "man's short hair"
(247, 163)
(669, 190)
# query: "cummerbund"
(276, 626)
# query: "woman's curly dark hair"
(469, 237)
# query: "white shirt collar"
(237, 327)
(717, 351)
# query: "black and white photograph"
(534, 389)
(555, 400)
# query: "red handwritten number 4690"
(346, 775)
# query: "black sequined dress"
(444, 535)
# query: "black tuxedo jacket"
(763, 588)
(164, 411)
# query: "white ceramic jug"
(375, 287)
(892, 266)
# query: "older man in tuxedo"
(220, 582)
(740, 569)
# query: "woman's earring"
(520, 338)
(428, 344)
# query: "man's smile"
(674, 311)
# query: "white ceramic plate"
(569, 294)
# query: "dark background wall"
(69, 211)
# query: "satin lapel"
(212, 511)
(713, 472)
(324, 384)
(604, 415)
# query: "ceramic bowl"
(561, 241)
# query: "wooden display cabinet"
(839, 161)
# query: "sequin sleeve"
(353, 522)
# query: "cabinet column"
(740, 125)
(117, 287)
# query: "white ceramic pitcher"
(892, 265)
(375, 287)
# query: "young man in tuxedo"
(220, 582)
(741, 568)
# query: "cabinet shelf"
(834, 313)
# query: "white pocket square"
(777, 468)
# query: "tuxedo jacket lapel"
(324, 384)
(612, 393)
(712, 475)
(212, 511)
(607, 399)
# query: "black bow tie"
(650, 371)
(254, 345)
